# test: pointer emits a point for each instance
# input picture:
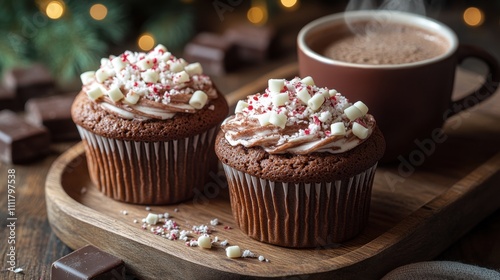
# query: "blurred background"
(70, 36)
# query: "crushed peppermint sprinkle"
(248, 254)
(214, 222)
(224, 243)
(129, 82)
(201, 229)
(298, 117)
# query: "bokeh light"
(54, 9)
(146, 42)
(473, 16)
(290, 4)
(257, 15)
(98, 11)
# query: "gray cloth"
(441, 270)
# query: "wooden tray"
(418, 209)
(410, 221)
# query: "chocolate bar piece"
(8, 99)
(54, 113)
(21, 141)
(88, 262)
(254, 44)
(216, 55)
(29, 82)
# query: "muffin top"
(297, 117)
(152, 96)
(153, 85)
(297, 132)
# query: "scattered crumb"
(148, 208)
(166, 215)
(176, 210)
(248, 254)
(124, 212)
(228, 227)
(135, 221)
(214, 222)
(83, 190)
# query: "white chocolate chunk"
(150, 76)
(118, 63)
(181, 77)
(104, 61)
(101, 75)
(332, 92)
(198, 99)
(144, 64)
(316, 101)
(160, 48)
(240, 106)
(132, 98)
(352, 112)
(308, 81)
(152, 219)
(325, 93)
(304, 95)
(362, 107)
(165, 56)
(337, 128)
(175, 66)
(194, 69)
(204, 242)
(275, 85)
(278, 119)
(264, 119)
(233, 252)
(360, 131)
(95, 92)
(115, 94)
(87, 77)
(280, 99)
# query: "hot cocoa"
(379, 43)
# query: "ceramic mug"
(409, 101)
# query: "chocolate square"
(53, 112)
(88, 262)
(21, 141)
(8, 99)
(29, 82)
(254, 44)
(216, 55)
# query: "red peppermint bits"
(256, 98)
(307, 131)
(124, 57)
(250, 107)
(316, 120)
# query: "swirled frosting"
(296, 116)
(153, 85)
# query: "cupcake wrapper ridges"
(302, 214)
(149, 172)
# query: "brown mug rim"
(400, 17)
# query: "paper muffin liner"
(302, 214)
(149, 172)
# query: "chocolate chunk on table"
(54, 113)
(254, 44)
(8, 99)
(216, 55)
(29, 82)
(88, 262)
(21, 141)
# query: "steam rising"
(410, 6)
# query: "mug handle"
(489, 86)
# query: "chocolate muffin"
(148, 123)
(300, 162)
